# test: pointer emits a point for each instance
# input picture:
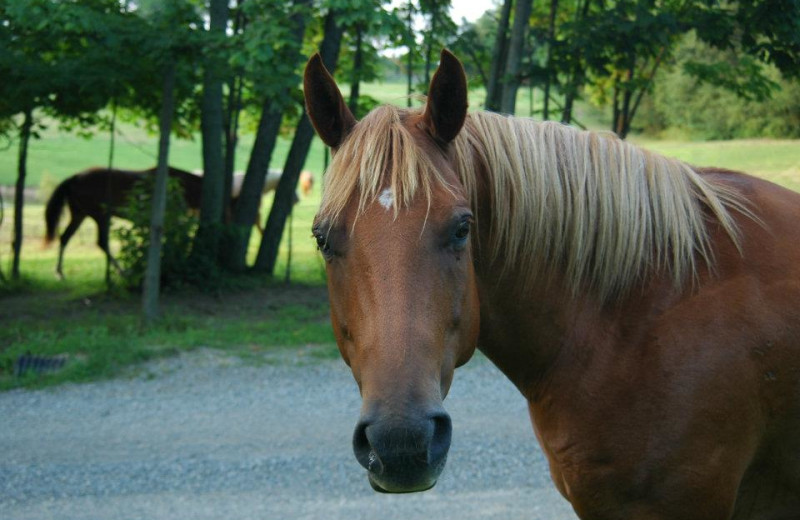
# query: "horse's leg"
(74, 224)
(103, 226)
(259, 227)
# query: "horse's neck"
(528, 333)
(520, 333)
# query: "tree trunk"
(284, 194)
(246, 211)
(234, 108)
(569, 100)
(2, 217)
(623, 123)
(630, 109)
(499, 53)
(206, 243)
(410, 72)
(615, 108)
(152, 274)
(355, 84)
(576, 76)
(522, 14)
(551, 39)
(232, 111)
(19, 193)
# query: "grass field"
(99, 328)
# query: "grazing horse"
(99, 193)
(648, 310)
(306, 182)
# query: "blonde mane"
(600, 212)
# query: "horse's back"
(93, 189)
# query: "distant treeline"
(682, 105)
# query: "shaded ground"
(205, 436)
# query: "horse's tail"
(55, 205)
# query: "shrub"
(179, 228)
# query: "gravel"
(206, 436)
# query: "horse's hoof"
(60, 276)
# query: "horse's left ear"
(324, 103)
(446, 109)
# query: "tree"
(409, 39)
(172, 42)
(273, 75)
(152, 277)
(56, 62)
(472, 42)
(207, 240)
(282, 204)
(720, 108)
(440, 26)
(368, 29)
(551, 41)
(512, 78)
(233, 107)
(494, 88)
(642, 34)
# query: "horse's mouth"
(397, 490)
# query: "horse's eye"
(321, 236)
(461, 233)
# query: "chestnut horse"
(91, 193)
(649, 311)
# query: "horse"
(306, 182)
(646, 309)
(99, 193)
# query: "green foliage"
(699, 97)
(71, 59)
(179, 228)
(267, 52)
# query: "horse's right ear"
(324, 103)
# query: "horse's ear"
(326, 107)
(446, 109)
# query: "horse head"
(394, 228)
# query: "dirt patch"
(239, 303)
(232, 303)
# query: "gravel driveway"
(204, 436)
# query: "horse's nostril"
(364, 452)
(440, 442)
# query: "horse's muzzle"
(403, 455)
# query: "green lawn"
(772, 159)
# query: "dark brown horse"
(648, 311)
(99, 193)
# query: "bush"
(179, 228)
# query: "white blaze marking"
(386, 198)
